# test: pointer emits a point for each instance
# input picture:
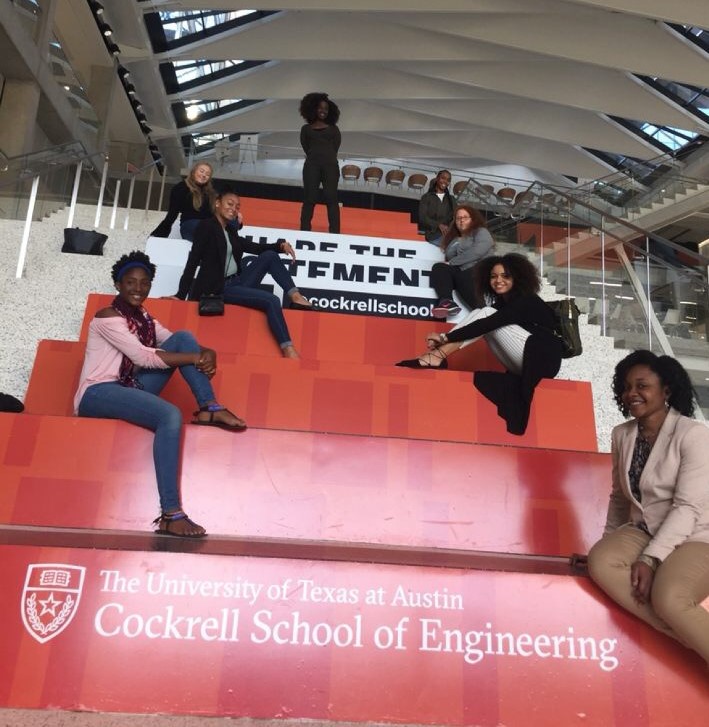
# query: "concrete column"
(18, 116)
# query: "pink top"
(109, 339)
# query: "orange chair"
(506, 194)
(417, 181)
(351, 173)
(458, 187)
(394, 178)
(373, 175)
(550, 203)
(525, 199)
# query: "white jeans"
(507, 343)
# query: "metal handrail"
(36, 164)
(638, 230)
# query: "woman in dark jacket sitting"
(518, 326)
(218, 252)
(192, 200)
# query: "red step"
(353, 220)
(95, 473)
(347, 398)
(318, 336)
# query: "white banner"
(341, 273)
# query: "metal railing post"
(99, 204)
(541, 235)
(647, 283)
(74, 195)
(130, 202)
(149, 190)
(162, 192)
(26, 231)
(603, 275)
(568, 248)
(115, 205)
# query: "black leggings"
(447, 278)
(328, 175)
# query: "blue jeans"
(187, 228)
(241, 290)
(145, 408)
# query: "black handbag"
(566, 326)
(84, 242)
(211, 304)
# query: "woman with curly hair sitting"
(653, 559)
(517, 325)
(320, 139)
(129, 359)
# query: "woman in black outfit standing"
(320, 139)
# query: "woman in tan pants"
(654, 556)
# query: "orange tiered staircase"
(353, 220)
(381, 549)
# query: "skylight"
(179, 25)
(195, 109)
(187, 71)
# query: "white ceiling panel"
(505, 81)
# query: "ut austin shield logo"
(50, 598)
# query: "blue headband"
(133, 264)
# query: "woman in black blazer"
(218, 251)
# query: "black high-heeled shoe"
(301, 306)
(416, 363)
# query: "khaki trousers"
(681, 584)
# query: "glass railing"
(639, 288)
(629, 195)
(52, 179)
(32, 186)
(53, 170)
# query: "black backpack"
(566, 326)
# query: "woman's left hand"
(641, 578)
(287, 249)
(207, 363)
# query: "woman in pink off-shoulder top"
(129, 359)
